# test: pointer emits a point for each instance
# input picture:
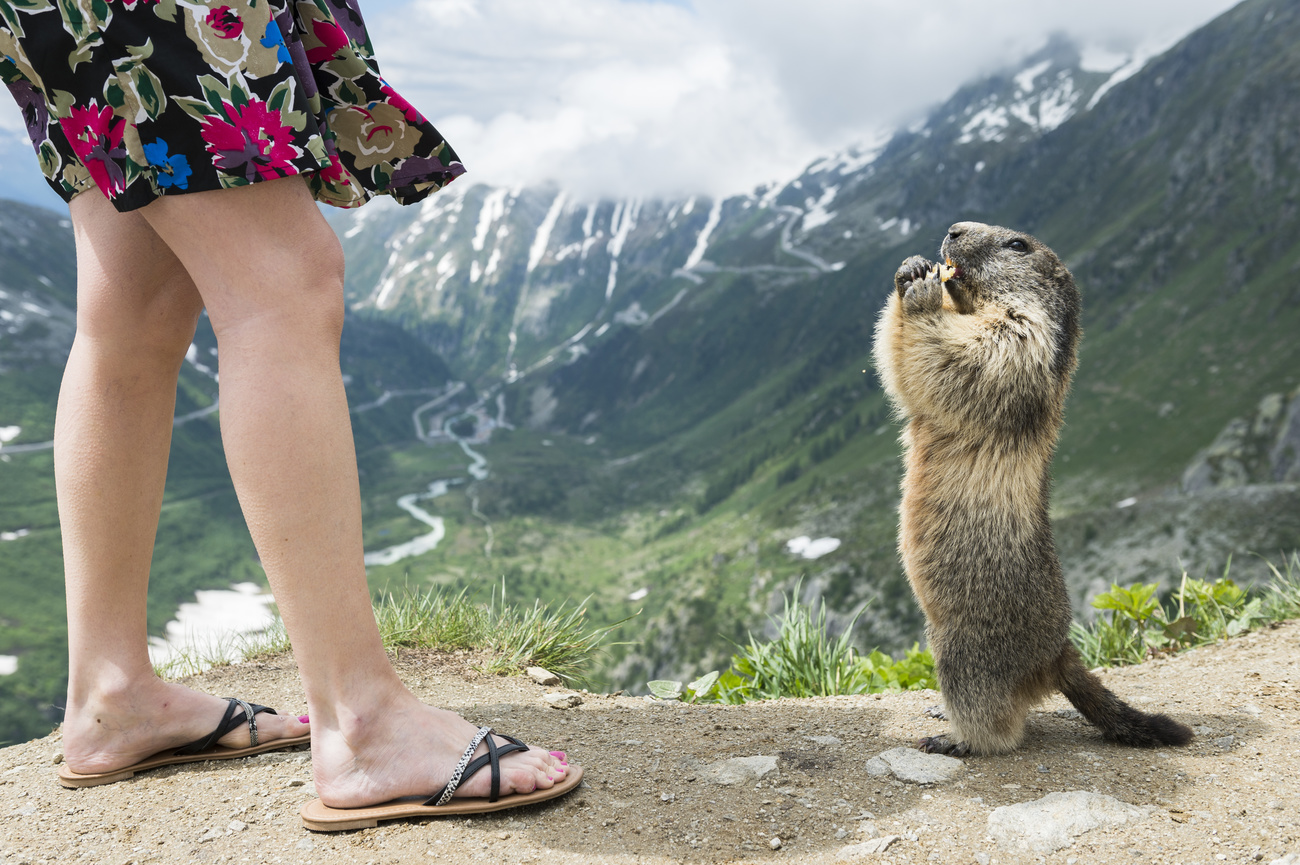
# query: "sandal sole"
(319, 817)
(73, 780)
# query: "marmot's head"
(1015, 271)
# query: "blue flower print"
(172, 170)
(275, 38)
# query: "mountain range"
(668, 407)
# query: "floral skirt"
(144, 98)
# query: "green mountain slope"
(698, 413)
(662, 395)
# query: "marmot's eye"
(1017, 244)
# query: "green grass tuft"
(804, 661)
(1139, 625)
(560, 639)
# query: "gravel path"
(662, 784)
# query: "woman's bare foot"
(113, 730)
(410, 749)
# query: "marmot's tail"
(1117, 720)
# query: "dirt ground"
(649, 796)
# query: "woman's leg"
(270, 271)
(136, 312)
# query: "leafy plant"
(1282, 598)
(1200, 612)
(803, 661)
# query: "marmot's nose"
(959, 229)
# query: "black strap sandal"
(196, 751)
(229, 721)
(465, 769)
(319, 817)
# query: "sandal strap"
(467, 767)
(229, 721)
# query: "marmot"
(976, 355)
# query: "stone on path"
(563, 701)
(740, 770)
(542, 676)
(866, 848)
(916, 767)
(1054, 821)
(1288, 859)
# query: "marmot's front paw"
(910, 271)
(923, 296)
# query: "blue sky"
(644, 97)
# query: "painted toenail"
(303, 719)
(560, 755)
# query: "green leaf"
(665, 690)
(1135, 602)
(1181, 630)
(703, 685)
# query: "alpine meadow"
(666, 409)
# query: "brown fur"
(980, 367)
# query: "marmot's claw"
(911, 270)
(943, 745)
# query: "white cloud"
(718, 96)
(713, 96)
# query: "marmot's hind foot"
(943, 745)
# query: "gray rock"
(1054, 821)
(1288, 859)
(740, 770)
(826, 741)
(878, 768)
(866, 848)
(563, 701)
(916, 767)
(542, 676)
(1261, 449)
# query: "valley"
(643, 402)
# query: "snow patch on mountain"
(446, 269)
(1123, 73)
(1025, 78)
(620, 225)
(854, 158)
(817, 214)
(702, 242)
(1051, 108)
(988, 124)
(543, 236)
(1096, 58)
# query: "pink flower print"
(399, 102)
(97, 141)
(250, 137)
(226, 22)
(334, 174)
(332, 39)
